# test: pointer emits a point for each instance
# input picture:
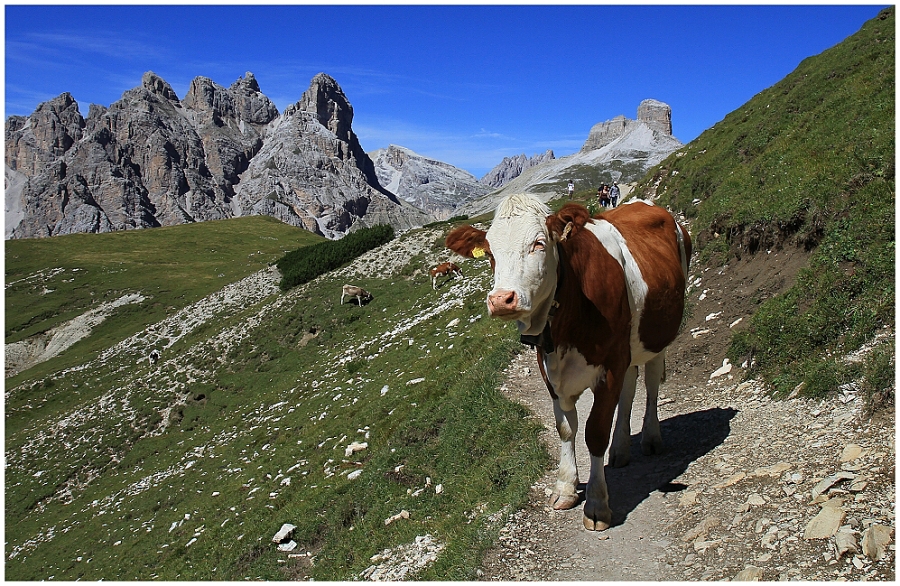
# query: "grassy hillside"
(120, 469)
(50, 281)
(808, 162)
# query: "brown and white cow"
(442, 270)
(598, 297)
(354, 291)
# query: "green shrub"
(305, 264)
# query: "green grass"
(52, 280)
(808, 162)
(251, 399)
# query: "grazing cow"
(597, 297)
(354, 291)
(442, 270)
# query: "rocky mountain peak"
(246, 83)
(208, 97)
(511, 167)
(157, 85)
(326, 100)
(46, 135)
(657, 115)
(433, 186)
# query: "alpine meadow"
(172, 404)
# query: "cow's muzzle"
(503, 303)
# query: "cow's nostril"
(503, 302)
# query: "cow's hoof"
(563, 502)
(594, 525)
(619, 459)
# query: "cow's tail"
(684, 247)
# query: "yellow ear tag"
(477, 252)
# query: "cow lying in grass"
(597, 297)
(354, 291)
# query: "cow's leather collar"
(545, 338)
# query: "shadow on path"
(686, 438)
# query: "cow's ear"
(567, 221)
(467, 241)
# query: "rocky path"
(742, 485)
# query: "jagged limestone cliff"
(151, 159)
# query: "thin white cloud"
(108, 45)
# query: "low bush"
(305, 264)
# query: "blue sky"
(467, 85)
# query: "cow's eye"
(538, 246)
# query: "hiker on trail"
(603, 195)
(571, 188)
(614, 194)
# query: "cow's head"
(521, 246)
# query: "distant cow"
(354, 291)
(442, 270)
(597, 297)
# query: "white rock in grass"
(415, 381)
(404, 514)
(354, 475)
(284, 533)
(355, 447)
(384, 390)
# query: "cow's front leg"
(597, 514)
(565, 494)
(620, 450)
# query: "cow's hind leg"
(654, 373)
(565, 494)
(620, 450)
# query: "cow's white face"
(525, 261)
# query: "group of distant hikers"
(607, 195)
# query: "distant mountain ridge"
(151, 159)
(619, 149)
(433, 186)
(511, 167)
